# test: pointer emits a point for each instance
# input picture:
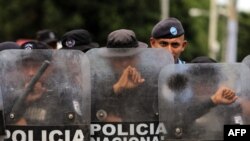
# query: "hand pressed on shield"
(129, 79)
(36, 93)
(113, 118)
(224, 95)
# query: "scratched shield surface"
(185, 105)
(134, 108)
(46, 94)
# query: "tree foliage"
(22, 19)
(243, 36)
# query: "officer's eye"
(175, 45)
(163, 44)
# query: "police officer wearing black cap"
(34, 45)
(169, 34)
(122, 53)
(78, 39)
(48, 37)
(124, 90)
(39, 97)
(9, 45)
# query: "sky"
(242, 5)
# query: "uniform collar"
(179, 61)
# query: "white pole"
(232, 28)
(164, 9)
(212, 31)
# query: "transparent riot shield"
(185, 105)
(2, 123)
(46, 94)
(246, 61)
(245, 95)
(124, 91)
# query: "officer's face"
(174, 45)
(30, 68)
(120, 63)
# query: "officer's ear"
(184, 45)
(152, 42)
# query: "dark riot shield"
(135, 72)
(185, 106)
(46, 94)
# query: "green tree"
(196, 28)
(22, 19)
(243, 36)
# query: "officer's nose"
(31, 72)
(169, 48)
(125, 63)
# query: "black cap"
(121, 43)
(124, 38)
(78, 39)
(46, 36)
(8, 45)
(36, 55)
(34, 45)
(168, 28)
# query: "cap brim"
(8, 45)
(122, 52)
(119, 52)
(142, 45)
(49, 40)
(84, 48)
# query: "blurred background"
(217, 28)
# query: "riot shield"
(245, 95)
(46, 94)
(246, 61)
(2, 123)
(124, 91)
(185, 105)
